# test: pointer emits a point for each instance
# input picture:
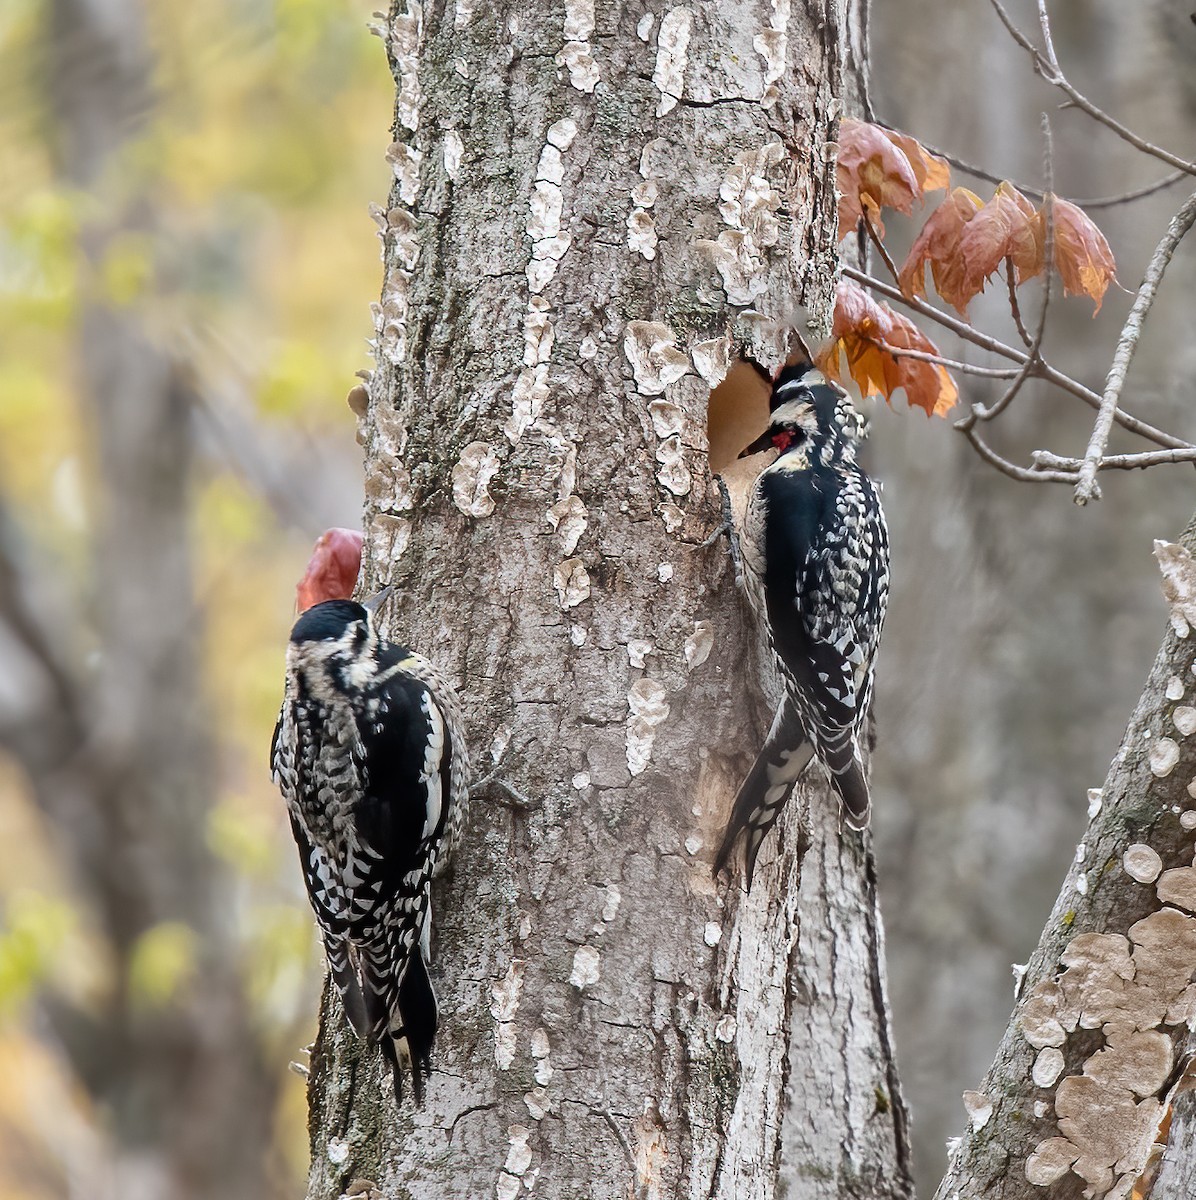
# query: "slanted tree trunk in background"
(587, 217)
(1099, 1037)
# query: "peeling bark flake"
(586, 967)
(648, 709)
(476, 467)
(1179, 584)
(979, 1108)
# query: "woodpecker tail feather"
(407, 1043)
(784, 756)
(856, 799)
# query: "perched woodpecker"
(369, 754)
(816, 564)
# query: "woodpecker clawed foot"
(726, 528)
(511, 797)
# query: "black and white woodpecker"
(816, 565)
(369, 754)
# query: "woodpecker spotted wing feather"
(370, 757)
(816, 557)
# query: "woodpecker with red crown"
(816, 565)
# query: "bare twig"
(1116, 462)
(1048, 67)
(1036, 194)
(1014, 307)
(952, 364)
(1183, 220)
(881, 248)
(1025, 474)
(1044, 370)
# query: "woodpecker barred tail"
(369, 754)
(816, 559)
(785, 755)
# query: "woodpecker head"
(809, 416)
(333, 646)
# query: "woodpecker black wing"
(827, 566)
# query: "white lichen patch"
(1184, 720)
(979, 1108)
(1141, 863)
(667, 418)
(406, 33)
(337, 1150)
(540, 1052)
(1164, 755)
(454, 150)
(538, 1104)
(545, 208)
(693, 844)
(404, 162)
(561, 133)
(643, 30)
(655, 360)
(572, 582)
(772, 46)
(472, 474)
(1048, 1066)
(712, 934)
(712, 360)
(586, 967)
(749, 207)
(674, 475)
(1175, 688)
(581, 781)
(664, 572)
(638, 651)
(519, 1154)
(641, 234)
(389, 537)
(578, 635)
(577, 56)
(612, 897)
(699, 644)
(569, 518)
(587, 349)
(672, 517)
(504, 1005)
(1095, 799)
(1179, 585)
(648, 710)
(672, 54)
(463, 13)
(726, 1028)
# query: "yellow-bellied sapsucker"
(369, 753)
(816, 563)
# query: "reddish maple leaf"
(332, 569)
(1082, 256)
(865, 332)
(877, 169)
(1007, 227)
(937, 246)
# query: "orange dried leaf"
(878, 169)
(332, 569)
(1082, 256)
(937, 246)
(865, 332)
(932, 172)
(1008, 226)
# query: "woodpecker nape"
(369, 754)
(816, 565)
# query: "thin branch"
(1117, 462)
(1043, 371)
(1086, 488)
(952, 364)
(1024, 474)
(1014, 307)
(1048, 67)
(1036, 194)
(881, 248)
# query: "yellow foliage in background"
(264, 143)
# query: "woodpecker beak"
(763, 442)
(376, 601)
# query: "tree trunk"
(1075, 1101)
(587, 222)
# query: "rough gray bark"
(587, 218)
(1073, 1102)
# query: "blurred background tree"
(190, 185)
(186, 259)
